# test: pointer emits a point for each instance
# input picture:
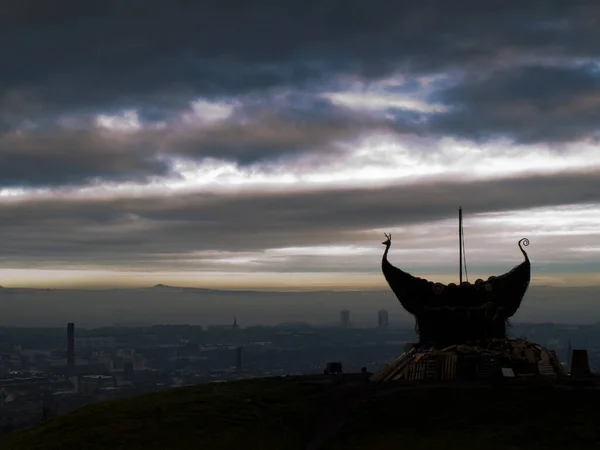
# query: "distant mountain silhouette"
(184, 288)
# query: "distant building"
(139, 362)
(233, 326)
(90, 384)
(95, 342)
(333, 367)
(4, 366)
(238, 359)
(345, 318)
(382, 318)
(128, 371)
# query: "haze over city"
(269, 146)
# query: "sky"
(270, 144)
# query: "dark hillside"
(302, 413)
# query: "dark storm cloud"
(73, 60)
(73, 157)
(257, 133)
(147, 231)
(268, 130)
(526, 104)
(149, 55)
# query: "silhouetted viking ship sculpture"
(456, 314)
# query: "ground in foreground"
(301, 413)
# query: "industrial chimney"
(344, 318)
(70, 345)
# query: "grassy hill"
(291, 413)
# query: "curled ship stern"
(462, 328)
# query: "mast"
(460, 247)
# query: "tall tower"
(344, 318)
(235, 325)
(71, 344)
(382, 318)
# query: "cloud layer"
(216, 137)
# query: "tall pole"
(460, 265)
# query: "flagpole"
(460, 244)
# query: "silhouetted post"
(580, 365)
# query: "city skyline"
(271, 147)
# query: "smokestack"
(71, 345)
(344, 318)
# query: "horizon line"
(245, 289)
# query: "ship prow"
(464, 312)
